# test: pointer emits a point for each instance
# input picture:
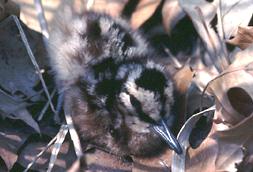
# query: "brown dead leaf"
(179, 161)
(202, 13)
(18, 77)
(233, 89)
(214, 154)
(11, 140)
(111, 7)
(203, 74)
(171, 13)
(243, 37)
(203, 158)
(143, 11)
(64, 160)
(183, 79)
(16, 110)
(233, 119)
(17, 74)
(241, 135)
(231, 14)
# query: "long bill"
(163, 131)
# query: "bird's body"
(114, 89)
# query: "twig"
(219, 58)
(59, 103)
(46, 107)
(174, 60)
(73, 134)
(210, 39)
(41, 17)
(30, 53)
(40, 154)
(60, 137)
(223, 32)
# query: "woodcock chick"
(121, 100)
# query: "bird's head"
(147, 98)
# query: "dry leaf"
(171, 13)
(231, 14)
(178, 161)
(17, 74)
(183, 79)
(65, 158)
(243, 37)
(228, 90)
(11, 140)
(144, 10)
(242, 58)
(202, 13)
(18, 77)
(214, 154)
(233, 117)
(242, 136)
(203, 74)
(233, 89)
(16, 110)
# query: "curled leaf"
(233, 89)
(172, 13)
(243, 37)
(232, 14)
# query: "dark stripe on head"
(153, 80)
(138, 108)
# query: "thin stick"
(174, 60)
(73, 134)
(60, 137)
(39, 154)
(30, 53)
(43, 111)
(41, 17)
(213, 59)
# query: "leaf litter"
(224, 75)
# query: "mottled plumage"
(114, 88)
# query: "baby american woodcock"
(121, 100)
